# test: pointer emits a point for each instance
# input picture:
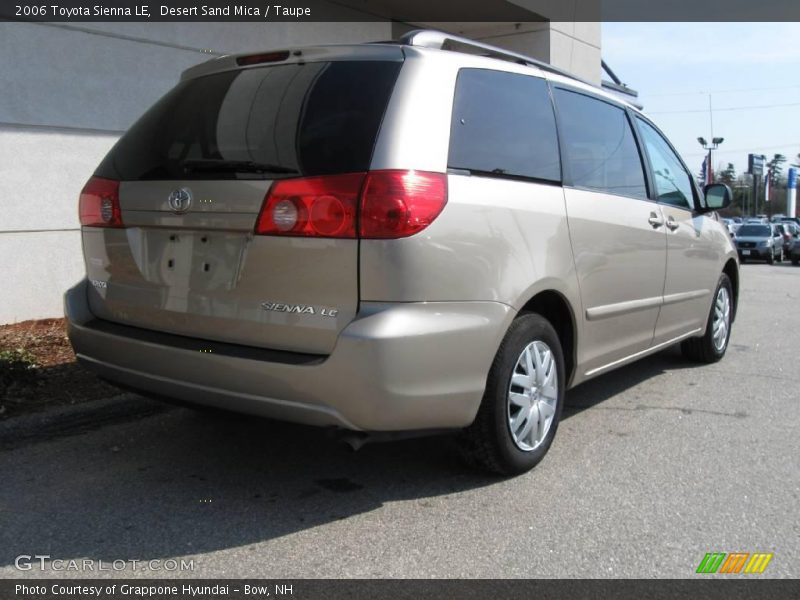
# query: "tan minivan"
(430, 235)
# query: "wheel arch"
(731, 269)
(554, 306)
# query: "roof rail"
(439, 40)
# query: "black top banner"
(409, 11)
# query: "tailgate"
(193, 174)
(204, 274)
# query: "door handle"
(655, 220)
(672, 224)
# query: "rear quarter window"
(503, 124)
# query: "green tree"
(727, 175)
(776, 169)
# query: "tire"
(489, 443)
(706, 349)
(771, 258)
(795, 261)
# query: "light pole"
(715, 142)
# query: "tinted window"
(673, 183)
(599, 145)
(316, 118)
(503, 123)
(754, 231)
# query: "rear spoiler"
(228, 62)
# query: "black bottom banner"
(358, 589)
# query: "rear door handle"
(655, 220)
(672, 224)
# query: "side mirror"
(718, 196)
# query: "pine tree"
(727, 175)
(776, 169)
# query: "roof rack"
(439, 40)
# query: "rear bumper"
(408, 366)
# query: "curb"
(77, 418)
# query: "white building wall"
(69, 91)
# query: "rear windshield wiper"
(234, 166)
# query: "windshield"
(309, 119)
(754, 231)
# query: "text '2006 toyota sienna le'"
(395, 237)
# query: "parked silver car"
(760, 241)
(396, 237)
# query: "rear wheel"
(795, 261)
(712, 345)
(521, 407)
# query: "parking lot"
(654, 465)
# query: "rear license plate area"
(192, 259)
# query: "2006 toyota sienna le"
(396, 237)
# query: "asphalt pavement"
(654, 465)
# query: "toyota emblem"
(180, 200)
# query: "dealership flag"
(706, 172)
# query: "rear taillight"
(99, 203)
(397, 204)
(312, 207)
(393, 204)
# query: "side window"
(673, 183)
(599, 145)
(503, 124)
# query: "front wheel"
(771, 258)
(712, 345)
(521, 407)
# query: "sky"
(674, 67)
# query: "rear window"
(503, 124)
(308, 119)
